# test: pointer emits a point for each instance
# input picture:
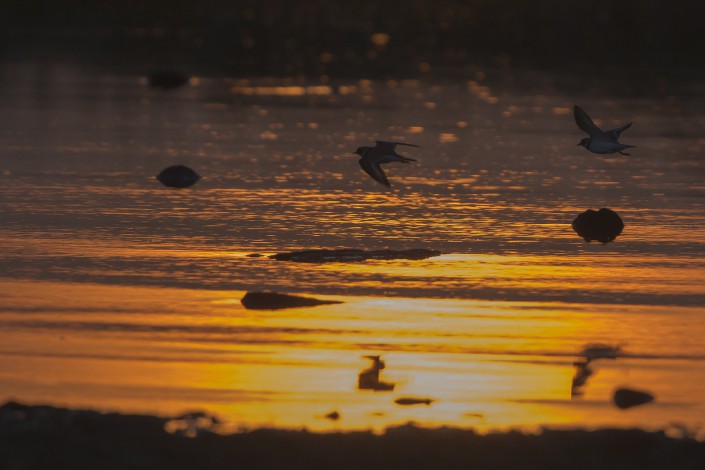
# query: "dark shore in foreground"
(39, 437)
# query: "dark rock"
(626, 398)
(603, 225)
(274, 301)
(600, 351)
(405, 401)
(167, 79)
(352, 255)
(178, 176)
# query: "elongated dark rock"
(353, 255)
(275, 301)
(626, 398)
(409, 401)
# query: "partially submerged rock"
(275, 301)
(603, 225)
(178, 176)
(408, 401)
(167, 79)
(627, 398)
(352, 255)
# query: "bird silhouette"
(599, 140)
(382, 152)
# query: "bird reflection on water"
(368, 379)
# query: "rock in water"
(274, 301)
(178, 176)
(603, 225)
(167, 79)
(626, 398)
(353, 255)
(408, 401)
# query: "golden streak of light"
(347, 89)
(380, 39)
(482, 92)
(315, 90)
(489, 364)
(447, 137)
(561, 110)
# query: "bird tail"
(407, 159)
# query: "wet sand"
(45, 437)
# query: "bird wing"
(373, 169)
(616, 132)
(585, 123)
(388, 147)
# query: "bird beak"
(579, 144)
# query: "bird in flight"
(599, 140)
(382, 152)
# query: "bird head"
(584, 142)
(361, 150)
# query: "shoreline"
(48, 437)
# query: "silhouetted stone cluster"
(603, 225)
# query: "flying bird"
(599, 140)
(382, 152)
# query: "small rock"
(167, 79)
(603, 225)
(626, 398)
(178, 176)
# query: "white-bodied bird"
(382, 152)
(599, 140)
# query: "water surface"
(120, 293)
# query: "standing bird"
(599, 140)
(382, 152)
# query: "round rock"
(603, 225)
(178, 176)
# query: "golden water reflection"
(486, 364)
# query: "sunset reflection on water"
(487, 364)
(120, 294)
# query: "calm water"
(120, 294)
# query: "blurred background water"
(120, 293)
